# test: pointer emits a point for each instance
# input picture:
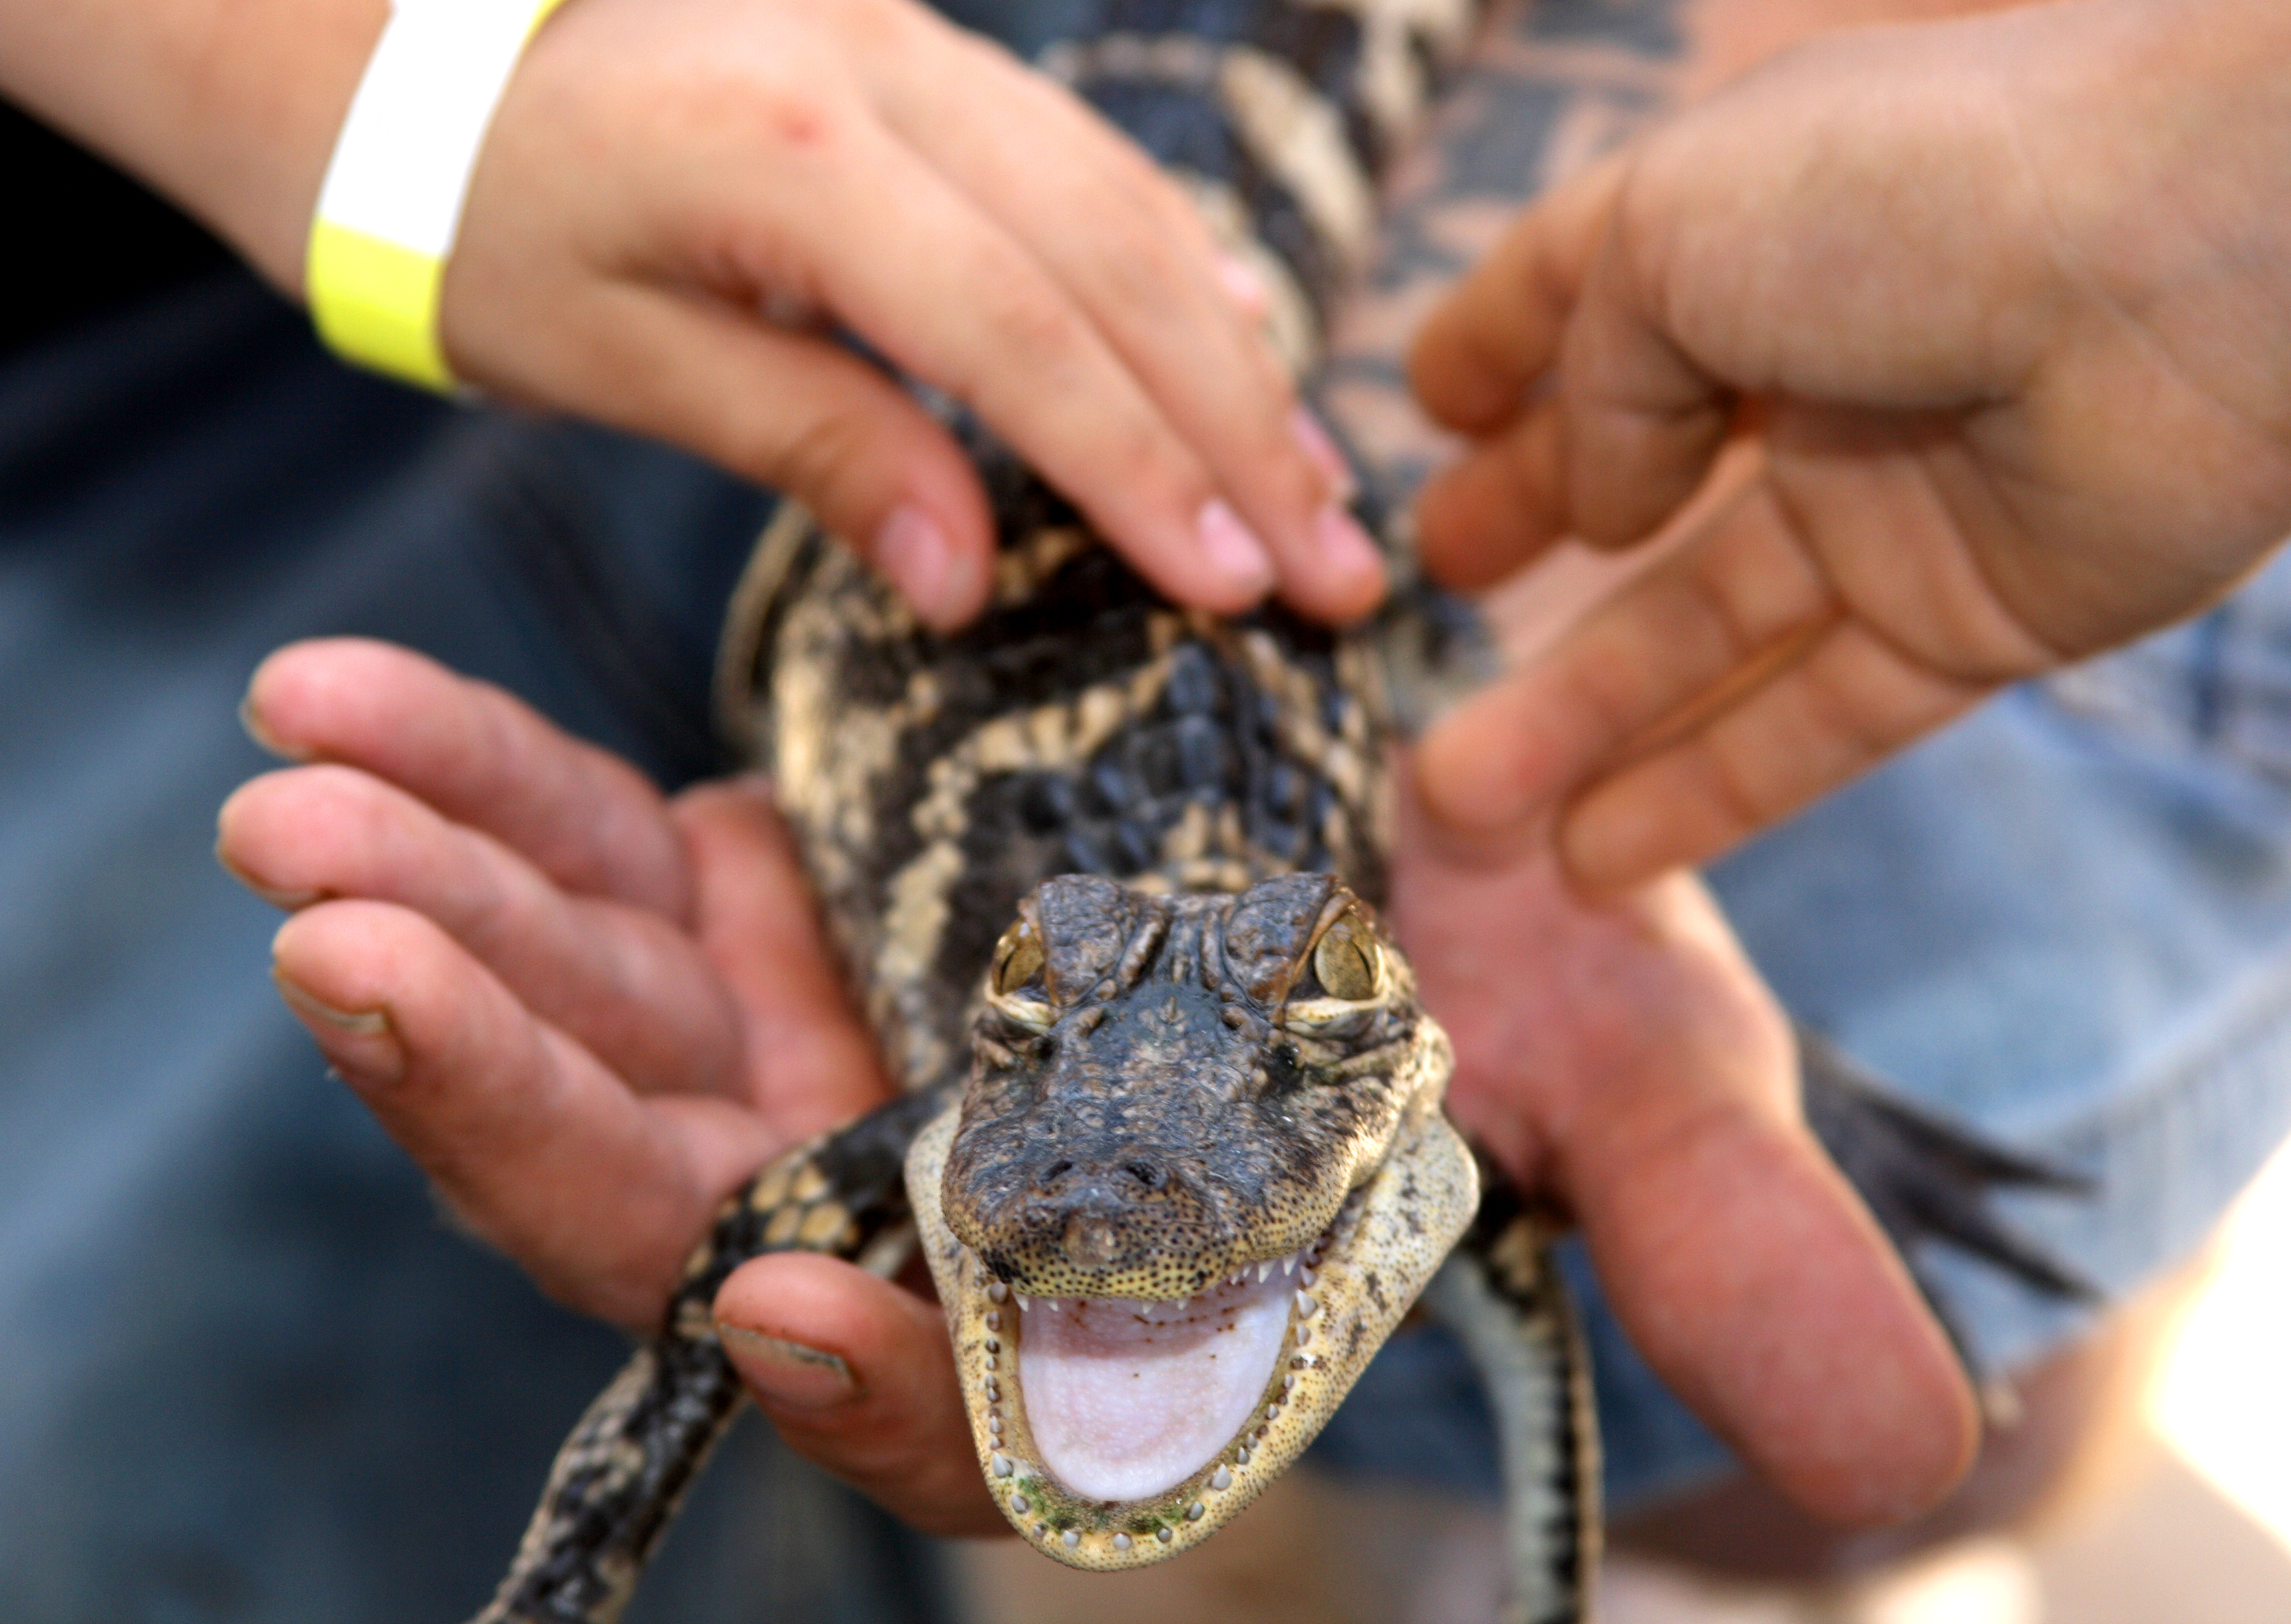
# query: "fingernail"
(914, 553)
(359, 1043)
(1245, 286)
(264, 737)
(1235, 552)
(274, 895)
(788, 1372)
(1347, 552)
(1322, 449)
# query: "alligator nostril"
(1091, 1242)
(1145, 1172)
(1051, 1174)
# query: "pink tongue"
(1127, 1400)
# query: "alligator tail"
(616, 1484)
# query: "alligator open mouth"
(1114, 1431)
(1127, 1399)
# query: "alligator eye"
(1346, 959)
(1019, 958)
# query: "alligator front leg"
(1501, 1293)
(623, 1473)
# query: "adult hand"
(1624, 1057)
(663, 177)
(2002, 303)
(588, 1013)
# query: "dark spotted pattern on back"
(1084, 726)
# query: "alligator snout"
(1089, 1208)
(1082, 1226)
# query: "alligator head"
(1198, 1175)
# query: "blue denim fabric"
(246, 1372)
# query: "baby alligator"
(1105, 873)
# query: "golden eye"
(1345, 960)
(1019, 959)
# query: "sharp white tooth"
(1289, 1264)
(1305, 1305)
(1307, 1278)
(1003, 1467)
(1239, 1275)
(1223, 1480)
(1023, 1304)
(1263, 1270)
(1052, 1303)
(1184, 1303)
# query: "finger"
(1643, 421)
(529, 1138)
(623, 982)
(945, 291)
(1146, 271)
(1498, 330)
(858, 1377)
(1849, 701)
(1673, 635)
(585, 818)
(793, 410)
(812, 1065)
(1497, 507)
(1759, 1289)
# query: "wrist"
(390, 206)
(229, 108)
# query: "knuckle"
(1038, 335)
(818, 459)
(797, 98)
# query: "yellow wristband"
(393, 193)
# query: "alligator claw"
(1925, 1179)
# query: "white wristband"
(393, 192)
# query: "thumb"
(1642, 423)
(858, 1377)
